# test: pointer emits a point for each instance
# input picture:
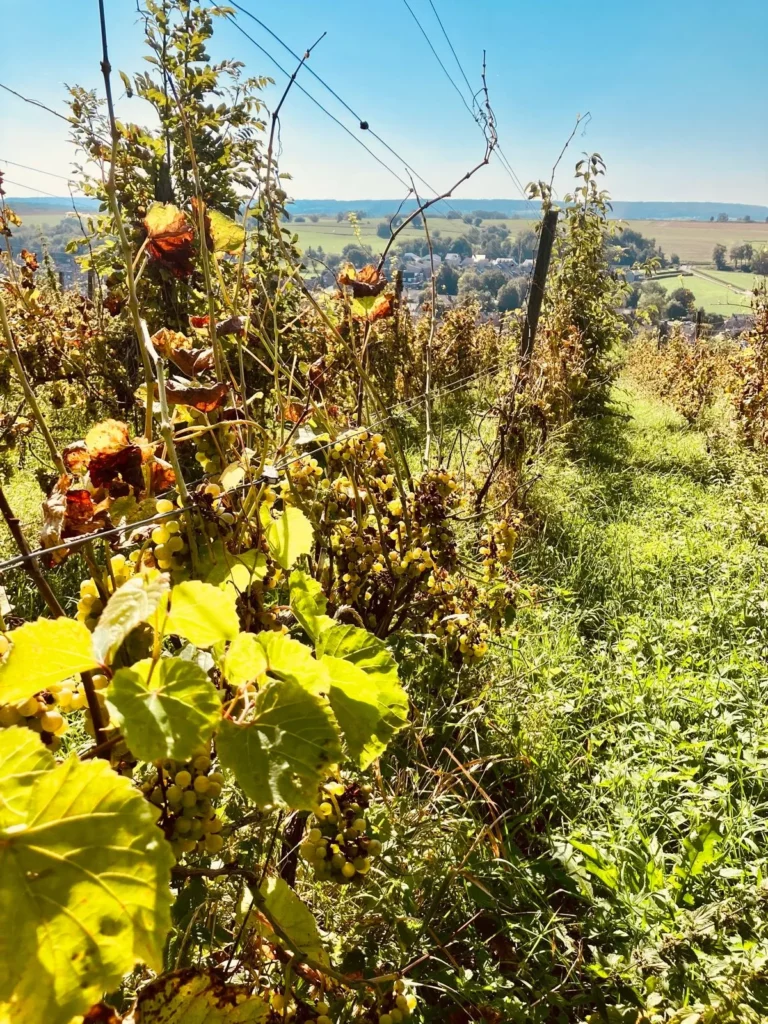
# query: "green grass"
(630, 716)
(736, 278)
(714, 297)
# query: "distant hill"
(381, 207)
(523, 208)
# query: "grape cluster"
(38, 713)
(283, 1008)
(166, 544)
(43, 712)
(186, 793)
(394, 1007)
(90, 606)
(338, 846)
(497, 545)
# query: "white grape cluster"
(186, 793)
(338, 846)
(43, 711)
(90, 606)
(394, 1007)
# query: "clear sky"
(677, 91)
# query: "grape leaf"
(84, 889)
(202, 613)
(226, 234)
(192, 996)
(22, 758)
(136, 601)
(284, 752)
(238, 572)
(289, 537)
(369, 706)
(245, 660)
(44, 653)
(170, 710)
(308, 603)
(290, 659)
(282, 908)
(360, 647)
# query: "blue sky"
(677, 92)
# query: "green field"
(713, 297)
(333, 236)
(736, 278)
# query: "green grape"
(213, 843)
(183, 779)
(374, 847)
(348, 870)
(201, 784)
(174, 793)
(201, 763)
(396, 1016)
(322, 1008)
(315, 835)
(385, 1018)
(188, 799)
(183, 825)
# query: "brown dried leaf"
(294, 413)
(170, 238)
(364, 283)
(204, 399)
(102, 1013)
(76, 458)
(178, 348)
(163, 476)
(70, 513)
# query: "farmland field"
(710, 295)
(736, 278)
(693, 241)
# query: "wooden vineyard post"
(536, 297)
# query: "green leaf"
(198, 997)
(84, 880)
(44, 653)
(169, 710)
(202, 613)
(596, 864)
(245, 660)
(292, 922)
(236, 572)
(22, 758)
(136, 601)
(700, 851)
(282, 755)
(308, 603)
(360, 647)
(290, 537)
(366, 697)
(227, 236)
(290, 659)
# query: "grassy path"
(636, 706)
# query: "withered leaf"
(163, 475)
(178, 348)
(204, 399)
(70, 512)
(372, 308)
(102, 1013)
(76, 458)
(294, 413)
(170, 238)
(365, 282)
